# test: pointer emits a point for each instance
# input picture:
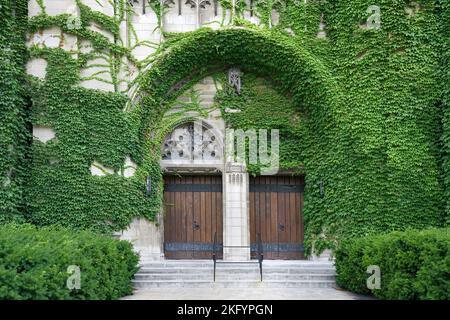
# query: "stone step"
(252, 263)
(245, 274)
(238, 266)
(237, 270)
(228, 276)
(233, 284)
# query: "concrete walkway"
(244, 294)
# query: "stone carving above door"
(192, 142)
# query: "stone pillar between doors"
(236, 231)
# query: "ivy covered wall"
(89, 127)
(372, 109)
(392, 87)
(260, 106)
(13, 109)
(445, 76)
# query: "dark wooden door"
(276, 204)
(193, 214)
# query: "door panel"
(193, 214)
(275, 210)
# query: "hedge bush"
(413, 264)
(34, 263)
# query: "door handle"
(281, 227)
(195, 225)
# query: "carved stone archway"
(304, 77)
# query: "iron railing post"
(260, 255)
(214, 255)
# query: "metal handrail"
(214, 254)
(260, 255)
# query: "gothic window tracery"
(133, 2)
(201, 3)
(192, 142)
(168, 3)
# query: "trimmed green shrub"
(413, 264)
(34, 264)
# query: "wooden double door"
(193, 215)
(276, 204)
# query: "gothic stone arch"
(289, 66)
